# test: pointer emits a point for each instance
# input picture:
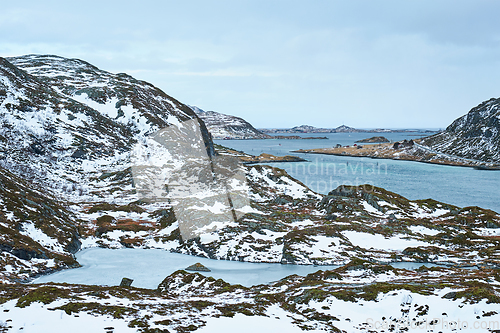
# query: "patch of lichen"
(434, 204)
(44, 294)
(361, 264)
(107, 223)
(370, 292)
(104, 206)
(117, 312)
(478, 291)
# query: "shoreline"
(412, 154)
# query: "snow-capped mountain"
(475, 135)
(223, 126)
(64, 119)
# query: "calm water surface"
(454, 185)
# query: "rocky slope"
(403, 150)
(67, 131)
(475, 135)
(223, 126)
(73, 139)
(38, 234)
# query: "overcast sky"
(399, 64)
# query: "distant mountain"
(312, 129)
(340, 129)
(223, 126)
(475, 135)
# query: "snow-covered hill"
(69, 136)
(223, 126)
(475, 135)
(65, 121)
(67, 131)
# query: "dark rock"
(450, 295)
(492, 225)
(126, 282)
(79, 153)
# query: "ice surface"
(148, 267)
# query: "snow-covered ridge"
(223, 126)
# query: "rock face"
(223, 126)
(403, 144)
(475, 135)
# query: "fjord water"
(460, 186)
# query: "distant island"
(296, 137)
(340, 129)
(227, 127)
(374, 139)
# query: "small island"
(198, 267)
(374, 139)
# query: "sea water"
(460, 186)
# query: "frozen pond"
(149, 267)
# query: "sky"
(279, 64)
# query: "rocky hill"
(223, 126)
(475, 135)
(67, 131)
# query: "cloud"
(283, 62)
